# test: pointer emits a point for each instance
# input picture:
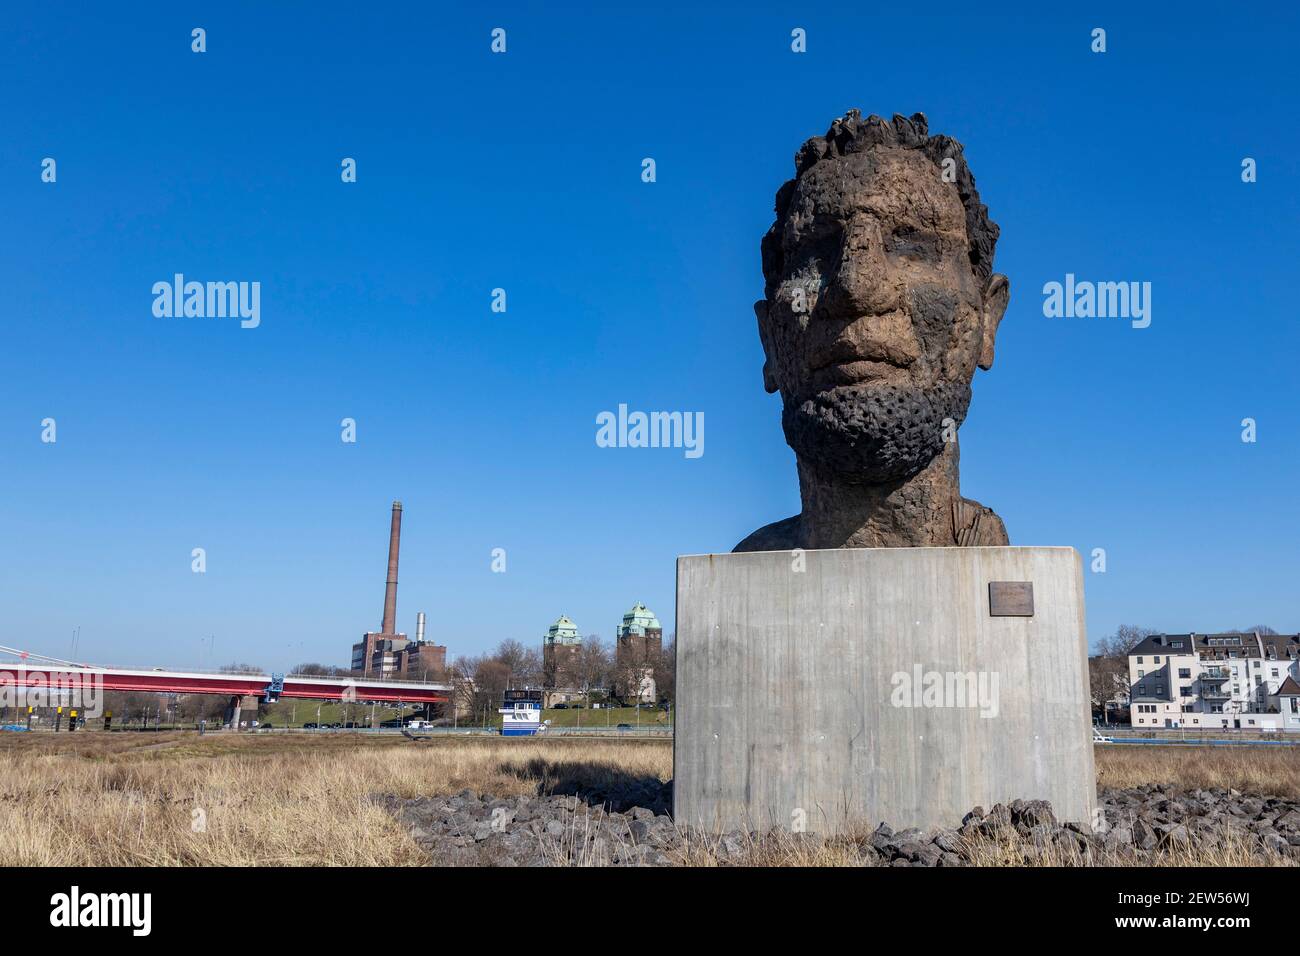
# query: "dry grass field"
(222, 800)
(1267, 771)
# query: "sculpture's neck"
(915, 512)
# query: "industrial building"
(386, 653)
(1240, 680)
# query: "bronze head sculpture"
(880, 301)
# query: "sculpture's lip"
(854, 372)
(848, 355)
(847, 362)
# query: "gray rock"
(948, 841)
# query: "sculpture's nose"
(859, 282)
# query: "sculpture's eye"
(822, 232)
(817, 245)
(913, 243)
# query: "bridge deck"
(196, 682)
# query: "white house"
(1246, 681)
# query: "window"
(1139, 660)
(1156, 659)
(1186, 672)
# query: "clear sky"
(522, 171)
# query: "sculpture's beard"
(874, 433)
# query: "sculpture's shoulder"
(777, 536)
(975, 526)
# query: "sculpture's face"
(875, 321)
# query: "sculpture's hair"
(853, 134)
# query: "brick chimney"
(390, 592)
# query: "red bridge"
(63, 674)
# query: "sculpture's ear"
(769, 379)
(996, 295)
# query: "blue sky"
(522, 171)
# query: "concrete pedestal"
(823, 690)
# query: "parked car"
(310, 726)
(624, 726)
(560, 707)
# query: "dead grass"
(222, 800)
(226, 800)
(1267, 771)
(1011, 849)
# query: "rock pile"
(468, 830)
(632, 825)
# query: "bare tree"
(491, 679)
(1108, 670)
(240, 669)
(636, 657)
(594, 665)
(479, 685)
(191, 708)
(1107, 679)
(523, 664)
(1122, 642)
(461, 674)
(529, 670)
(313, 670)
(666, 672)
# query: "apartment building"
(1246, 681)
